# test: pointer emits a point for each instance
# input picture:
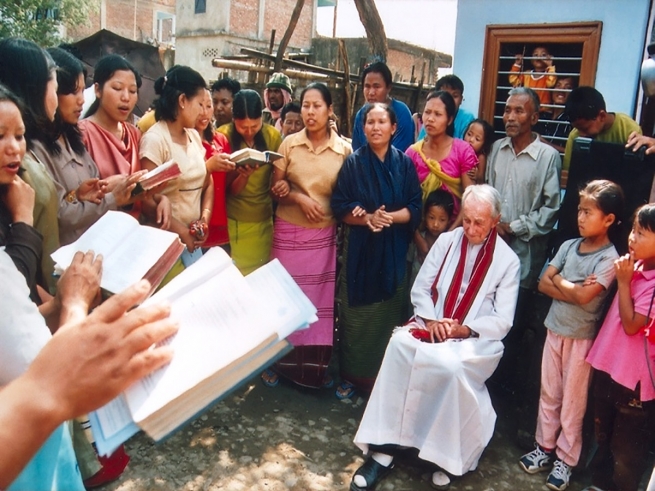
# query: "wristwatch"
(72, 196)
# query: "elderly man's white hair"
(483, 193)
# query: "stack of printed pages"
(231, 327)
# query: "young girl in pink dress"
(622, 356)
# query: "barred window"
(550, 58)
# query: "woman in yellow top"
(305, 234)
(249, 203)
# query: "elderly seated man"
(430, 393)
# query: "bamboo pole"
(252, 67)
(347, 126)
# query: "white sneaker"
(537, 460)
(558, 479)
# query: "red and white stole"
(452, 308)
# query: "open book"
(231, 327)
(250, 156)
(130, 251)
(159, 175)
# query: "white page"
(114, 416)
(133, 257)
(210, 264)
(219, 322)
(101, 237)
(289, 308)
(129, 250)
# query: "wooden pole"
(271, 42)
(346, 126)
(295, 15)
(417, 96)
(372, 22)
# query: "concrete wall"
(622, 43)
(401, 58)
(215, 20)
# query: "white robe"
(433, 396)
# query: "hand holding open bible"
(252, 157)
(231, 327)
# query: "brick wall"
(277, 15)
(244, 20)
(120, 17)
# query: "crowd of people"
(425, 240)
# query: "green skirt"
(364, 330)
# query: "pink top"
(112, 155)
(460, 160)
(623, 356)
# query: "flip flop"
(270, 378)
(346, 390)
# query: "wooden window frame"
(586, 33)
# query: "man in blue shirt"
(376, 82)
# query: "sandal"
(328, 382)
(270, 378)
(372, 472)
(346, 390)
(440, 480)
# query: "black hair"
(326, 95)
(178, 80)
(290, 107)
(488, 131)
(447, 100)
(584, 103)
(442, 199)
(381, 68)
(609, 198)
(26, 69)
(227, 83)
(381, 105)
(104, 71)
(645, 217)
(69, 69)
(7, 95)
(247, 105)
(452, 81)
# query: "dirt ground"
(288, 438)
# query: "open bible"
(231, 327)
(130, 251)
(159, 175)
(250, 156)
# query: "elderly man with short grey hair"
(430, 393)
